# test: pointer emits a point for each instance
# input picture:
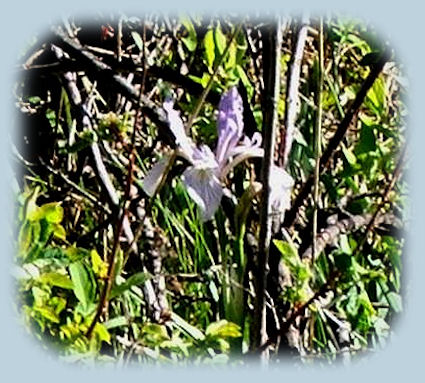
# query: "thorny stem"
(317, 139)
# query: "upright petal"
(229, 124)
(204, 188)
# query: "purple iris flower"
(205, 176)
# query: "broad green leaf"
(52, 212)
(231, 57)
(352, 302)
(25, 238)
(209, 47)
(116, 322)
(40, 296)
(59, 232)
(102, 333)
(48, 313)
(349, 156)
(154, 334)
(58, 304)
(220, 40)
(135, 280)
(344, 244)
(100, 267)
(75, 254)
(31, 208)
(84, 289)
(186, 327)
(367, 141)
(223, 329)
(245, 81)
(286, 249)
(376, 95)
(190, 41)
(57, 279)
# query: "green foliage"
(205, 272)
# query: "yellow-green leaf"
(100, 267)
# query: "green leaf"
(102, 333)
(223, 329)
(286, 249)
(135, 280)
(48, 313)
(395, 301)
(138, 40)
(220, 40)
(349, 156)
(190, 41)
(245, 81)
(344, 244)
(116, 322)
(214, 292)
(57, 279)
(209, 47)
(186, 327)
(75, 254)
(231, 60)
(84, 288)
(59, 232)
(100, 267)
(52, 212)
(375, 99)
(367, 141)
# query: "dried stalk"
(317, 138)
(272, 39)
(292, 96)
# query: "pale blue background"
(403, 24)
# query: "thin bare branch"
(292, 96)
(272, 38)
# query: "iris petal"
(185, 143)
(204, 188)
(281, 184)
(153, 177)
(229, 124)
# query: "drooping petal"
(153, 177)
(184, 143)
(204, 188)
(246, 144)
(246, 148)
(229, 124)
